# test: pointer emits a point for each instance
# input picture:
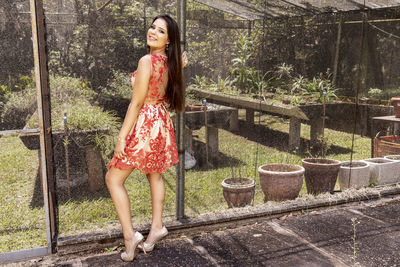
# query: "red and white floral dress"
(150, 145)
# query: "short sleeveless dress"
(150, 145)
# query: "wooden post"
(250, 116)
(316, 130)
(212, 143)
(44, 113)
(294, 133)
(94, 164)
(234, 121)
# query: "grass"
(22, 224)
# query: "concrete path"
(361, 234)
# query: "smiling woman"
(146, 140)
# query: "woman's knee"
(108, 178)
(155, 176)
(112, 179)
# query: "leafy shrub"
(18, 103)
(375, 93)
(70, 96)
(118, 86)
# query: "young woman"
(146, 140)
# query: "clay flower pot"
(354, 175)
(280, 181)
(320, 174)
(238, 192)
(396, 104)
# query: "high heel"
(130, 255)
(147, 247)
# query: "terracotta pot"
(354, 175)
(280, 181)
(396, 104)
(320, 174)
(238, 192)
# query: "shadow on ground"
(279, 140)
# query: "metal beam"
(233, 8)
(21, 255)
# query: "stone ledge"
(225, 218)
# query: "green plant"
(284, 71)
(118, 86)
(201, 82)
(295, 100)
(223, 83)
(70, 96)
(317, 87)
(375, 93)
(298, 84)
(241, 71)
(260, 81)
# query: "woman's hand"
(184, 59)
(119, 150)
(132, 79)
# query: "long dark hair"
(174, 94)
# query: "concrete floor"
(318, 238)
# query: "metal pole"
(336, 62)
(43, 103)
(180, 121)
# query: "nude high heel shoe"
(147, 247)
(130, 255)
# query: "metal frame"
(25, 254)
(46, 151)
(180, 131)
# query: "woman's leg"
(157, 191)
(115, 179)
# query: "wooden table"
(295, 114)
(389, 124)
(216, 116)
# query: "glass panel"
(22, 219)
(94, 47)
(277, 90)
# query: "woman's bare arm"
(139, 88)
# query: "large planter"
(320, 174)
(396, 105)
(281, 181)
(238, 192)
(383, 171)
(393, 157)
(353, 174)
(396, 159)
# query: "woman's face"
(157, 35)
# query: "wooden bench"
(295, 114)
